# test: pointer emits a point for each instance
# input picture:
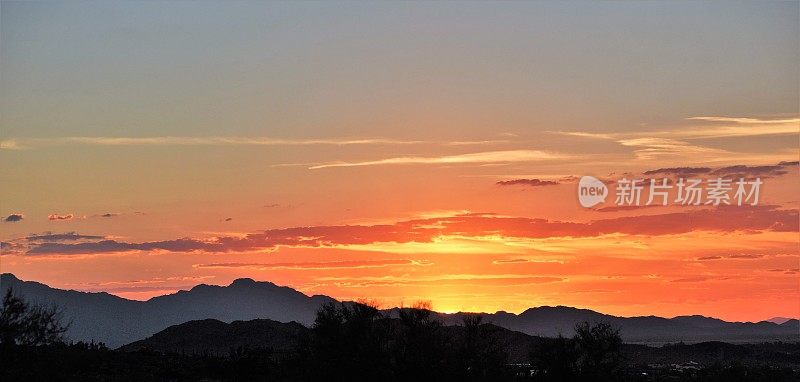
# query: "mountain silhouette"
(219, 338)
(116, 321)
(548, 321)
(779, 320)
(214, 337)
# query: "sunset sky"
(403, 151)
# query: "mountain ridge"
(218, 337)
(117, 321)
(214, 337)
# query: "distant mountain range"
(778, 320)
(547, 321)
(117, 321)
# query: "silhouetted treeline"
(352, 342)
(357, 339)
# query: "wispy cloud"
(527, 182)
(707, 127)
(30, 143)
(743, 171)
(653, 148)
(23, 143)
(586, 135)
(481, 157)
(476, 143)
(60, 217)
(675, 142)
(754, 121)
(733, 171)
(322, 265)
(739, 127)
(739, 256)
(10, 144)
(680, 171)
(526, 260)
(440, 280)
(625, 208)
(69, 236)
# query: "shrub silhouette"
(22, 323)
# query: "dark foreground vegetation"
(359, 342)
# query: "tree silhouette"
(349, 340)
(555, 359)
(593, 354)
(419, 344)
(600, 350)
(481, 353)
(22, 323)
(356, 339)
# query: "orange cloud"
(720, 219)
(527, 182)
(354, 264)
(60, 217)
